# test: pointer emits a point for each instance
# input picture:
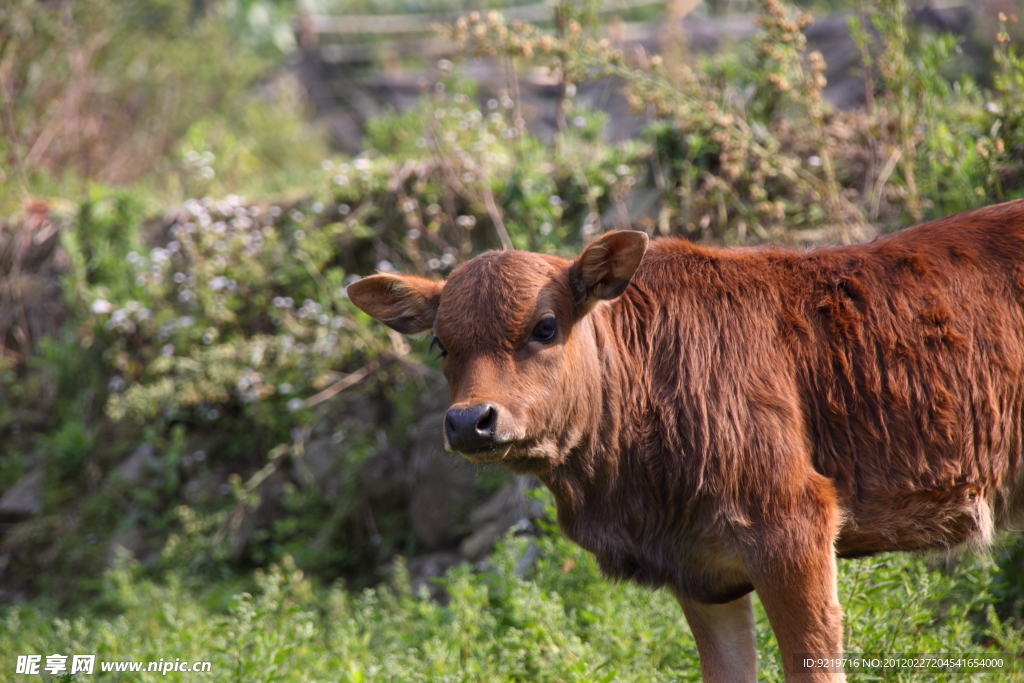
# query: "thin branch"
(341, 385)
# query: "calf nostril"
(488, 421)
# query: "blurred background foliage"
(186, 396)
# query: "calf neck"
(718, 421)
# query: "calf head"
(521, 349)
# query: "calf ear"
(606, 266)
(405, 303)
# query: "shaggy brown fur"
(728, 420)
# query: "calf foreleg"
(793, 568)
(725, 639)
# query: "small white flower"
(295, 404)
(101, 307)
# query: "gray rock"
(321, 466)
(509, 502)
(426, 567)
(271, 493)
(443, 487)
(508, 507)
(24, 499)
(206, 488)
(527, 559)
(247, 522)
(137, 467)
(128, 541)
(479, 544)
(384, 476)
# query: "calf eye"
(546, 329)
(441, 351)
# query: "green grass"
(563, 623)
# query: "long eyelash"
(441, 351)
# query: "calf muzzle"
(471, 428)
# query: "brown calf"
(719, 421)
